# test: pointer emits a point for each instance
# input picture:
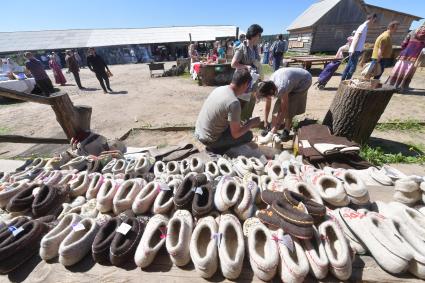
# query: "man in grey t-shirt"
(219, 123)
(289, 86)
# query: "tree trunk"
(354, 112)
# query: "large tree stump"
(354, 112)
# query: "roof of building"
(81, 38)
(319, 9)
(313, 14)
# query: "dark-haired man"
(357, 46)
(218, 125)
(97, 65)
(289, 86)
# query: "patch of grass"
(377, 156)
(320, 54)
(163, 145)
(186, 75)
(292, 54)
(267, 69)
(399, 125)
(4, 130)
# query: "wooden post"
(72, 119)
(354, 112)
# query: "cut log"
(354, 111)
(73, 119)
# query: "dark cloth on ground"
(313, 134)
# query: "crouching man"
(289, 86)
(218, 125)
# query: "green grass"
(377, 156)
(4, 130)
(320, 54)
(398, 125)
(186, 75)
(267, 69)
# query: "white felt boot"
(180, 229)
(145, 198)
(262, 250)
(106, 195)
(337, 250)
(231, 250)
(316, 255)
(152, 240)
(227, 194)
(203, 247)
(126, 194)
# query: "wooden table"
(215, 74)
(308, 61)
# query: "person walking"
(78, 58)
(276, 51)
(357, 46)
(57, 71)
(73, 67)
(57, 59)
(36, 68)
(97, 65)
(383, 48)
(405, 68)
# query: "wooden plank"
(23, 139)
(24, 96)
(365, 269)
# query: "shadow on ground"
(394, 147)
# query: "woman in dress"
(57, 72)
(405, 68)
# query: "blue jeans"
(351, 66)
(385, 63)
(266, 57)
(277, 58)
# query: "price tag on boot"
(78, 227)
(198, 191)
(123, 228)
(287, 241)
(15, 231)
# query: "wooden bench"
(308, 61)
(156, 67)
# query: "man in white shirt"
(357, 46)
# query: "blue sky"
(274, 16)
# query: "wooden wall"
(300, 40)
(385, 17)
(332, 30)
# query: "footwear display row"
(288, 219)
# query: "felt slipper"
(179, 232)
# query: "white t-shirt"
(362, 30)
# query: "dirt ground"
(140, 101)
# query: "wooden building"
(326, 24)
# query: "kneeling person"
(289, 86)
(218, 125)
